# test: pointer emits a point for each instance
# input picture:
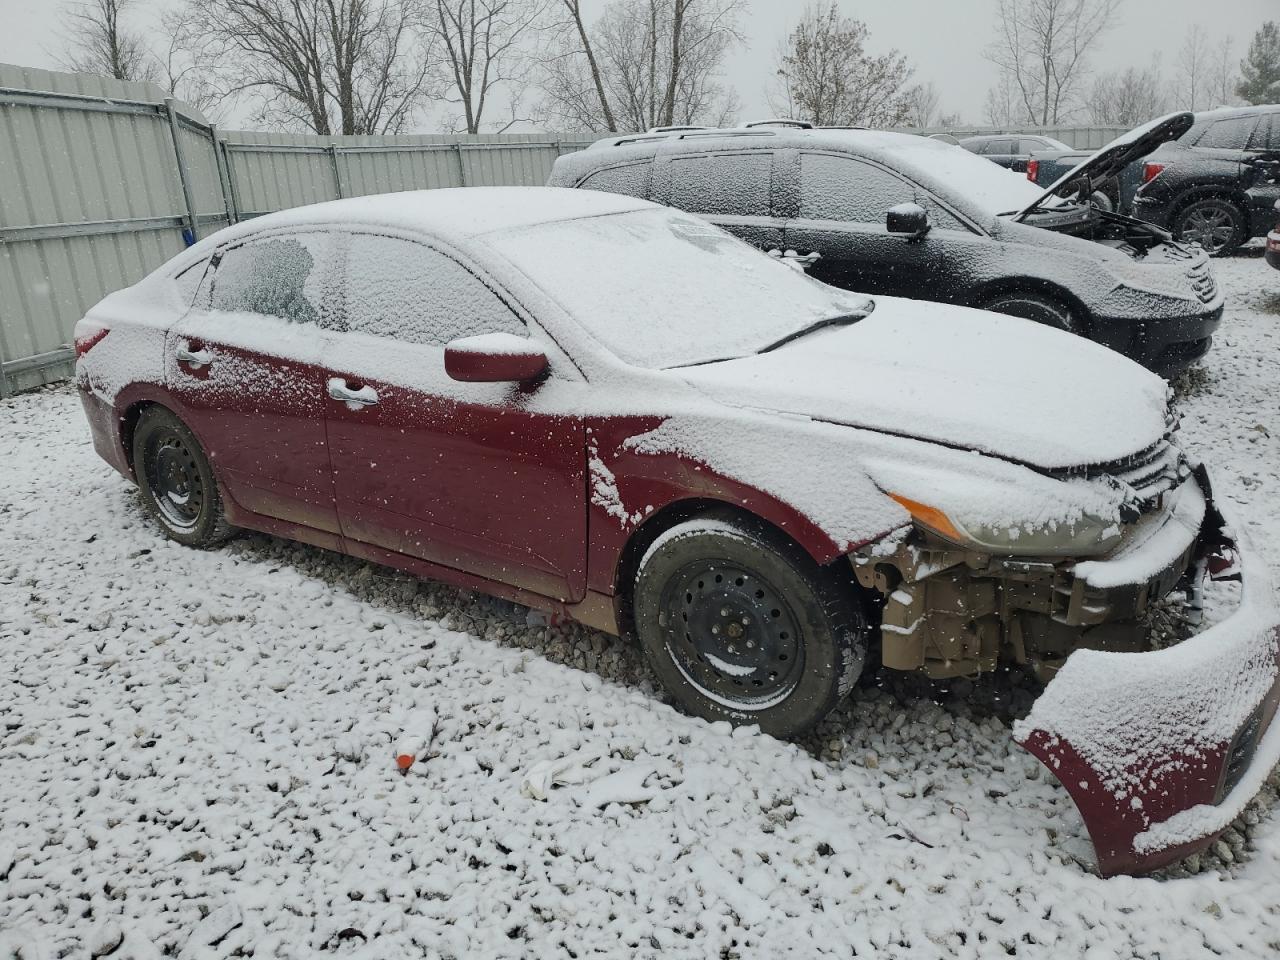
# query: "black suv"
(895, 214)
(1218, 184)
(1011, 150)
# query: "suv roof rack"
(780, 122)
(676, 129)
(688, 134)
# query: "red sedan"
(620, 414)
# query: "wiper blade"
(836, 321)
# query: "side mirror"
(907, 219)
(494, 358)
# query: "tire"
(1215, 223)
(1037, 307)
(1102, 202)
(742, 625)
(177, 484)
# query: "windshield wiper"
(841, 319)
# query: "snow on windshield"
(663, 289)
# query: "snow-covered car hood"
(956, 376)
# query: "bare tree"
(1223, 75)
(1127, 98)
(826, 76)
(1191, 70)
(486, 46)
(327, 66)
(100, 43)
(1001, 106)
(582, 45)
(924, 99)
(645, 63)
(1042, 48)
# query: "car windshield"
(663, 289)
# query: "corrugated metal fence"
(101, 181)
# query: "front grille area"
(1149, 473)
(1203, 281)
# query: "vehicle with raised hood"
(891, 213)
(1216, 185)
(766, 480)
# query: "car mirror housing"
(908, 219)
(494, 358)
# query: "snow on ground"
(198, 759)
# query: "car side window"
(188, 281)
(728, 184)
(999, 148)
(843, 188)
(281, 276)
(1267, 136)
(408, 291)
(1230, 134)
(629, 179)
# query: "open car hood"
(1115, 156)
(964, 378)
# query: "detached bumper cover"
(1161, 751)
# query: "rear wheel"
(742, 625)
(176, 480)
(1037, 307)
(1215, 223)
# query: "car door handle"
(197, 358)
(366, 396)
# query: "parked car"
(1217, 185)
(888, 213)
(619, 413)
(1011, 151)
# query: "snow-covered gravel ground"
(196, 759)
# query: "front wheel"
(1214, 223)
(742, 625)
(176, 480)
(1036, 307)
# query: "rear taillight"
(87, 336)
(1151, 170)
(1033, 170)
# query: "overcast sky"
(943, 38)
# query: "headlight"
(1086, 536)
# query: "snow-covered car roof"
(453, 214)
(969, 181)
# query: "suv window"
(1267, 136)
(631, 179)
(729, 184)
(279, 276)
(1230, 134)
(833, 187)
(405, 290)
(998, 148)
(842, 188)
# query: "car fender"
(633, 489)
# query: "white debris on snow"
(150, 775)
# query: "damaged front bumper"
(1161, 750)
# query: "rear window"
(631, 179)
(729, 184)
(1229, 134)
(281, 276)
